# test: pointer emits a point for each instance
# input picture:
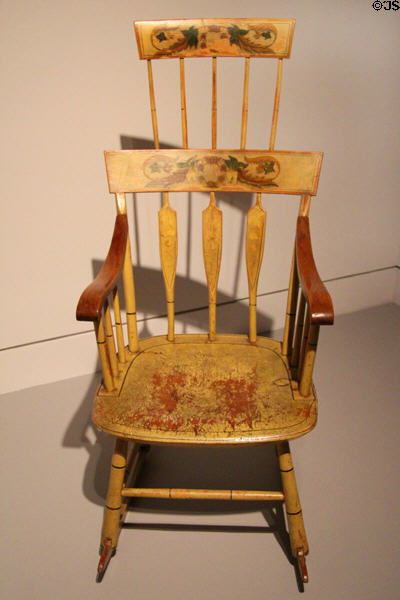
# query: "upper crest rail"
(215, 37)
(276, 172)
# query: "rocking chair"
(207, 389)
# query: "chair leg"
(112, 511)
(298, 539)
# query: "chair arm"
(317, 296)
(93, 297)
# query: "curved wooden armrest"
(93, 297)
(318, 298)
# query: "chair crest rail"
(276, 172)
(266, 38)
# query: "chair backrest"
(189, 38)
(211, 170)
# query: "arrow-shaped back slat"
(168, 253)
(212, 249)
(255, 236)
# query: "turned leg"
(298, 539)
(112, 511)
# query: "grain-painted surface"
(168, 247)
(193, 392)
(215, 37)
(255, 237)
(168, 253)
(212, 249)
(281, 172)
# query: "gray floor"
(54, 472)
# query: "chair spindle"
(112, 354)
(130, 302)
(118, 327)
(214, 104)
(168, 254)
(306, 331)
(183, 103)
(255, 237)
(309, 359)
(290, 318)
(298, 336)
(103, 354)
(276, 105)
(153, 105)
(245, 104)
(212, 249)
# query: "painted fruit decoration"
(174, 39)
(255, 40)
(261, 171)
(211, 171)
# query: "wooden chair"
(209, 389)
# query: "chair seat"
(192, 392)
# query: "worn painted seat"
(207, 389)
(193, 392)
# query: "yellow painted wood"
(113, 506)
(183, 103)
(297, 534)
(214, 104)
(291, 307)
(212, 249)
(280, 172)
(130, 301)
(255, 237)
(196, 393)
(168, 253)
(120, 202)
(306, 331)
(112, 354)
(118, 327)
(153, 104)
(309, 359)
(245, 104)
(304, 208)
(103, 354)
(298, 336)
(276, 105)
(199, 494)
(215, 37)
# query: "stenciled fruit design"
(158, 166)
(254, 40)
(173, 39)
(261, 171)
(210, 171)
(258, 39)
